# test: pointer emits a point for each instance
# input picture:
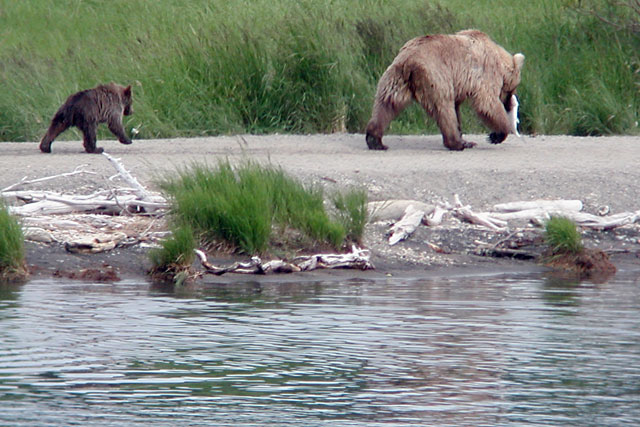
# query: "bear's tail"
(393, 89)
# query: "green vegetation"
(351, 210)
(176, 255)
(12, 262)
(212, 67)
(254, 209)
(562, 236)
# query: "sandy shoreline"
(599, 171)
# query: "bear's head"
(511, 77)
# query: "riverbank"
(601, 172)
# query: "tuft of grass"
(12, 256)
(244, 206)
(351, 208)
(176, 254)
(562, 236)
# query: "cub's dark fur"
(86, 109)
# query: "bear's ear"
(518, 60)
(127, 91)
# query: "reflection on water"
(458, 351)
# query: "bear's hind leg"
(56, 128)
(383, 114)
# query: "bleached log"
(358, 258)
(96, 243)
(407, 225)
(562, 205)
(37, 234)
(394, 209)
(57, 204)
(583, 219)
(436, 216)
(528, 214)
(49, 222)
(602, 222)
(465, 213)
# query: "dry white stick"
(465, 212)
(77, 171)
(140, 191)
(407, 225)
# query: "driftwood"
(51, 203)
(79, 170)
(536, 211)
(571, 205)
(407, 225)
(113, 201)
(395, 209)
(358, 258)
(78, 220)
(484, 219)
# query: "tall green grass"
(247, 205)
(209, 67)
(12, 256)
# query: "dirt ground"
(601, 172)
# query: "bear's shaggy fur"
(440, 72)
(86, 109)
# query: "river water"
(491, 350)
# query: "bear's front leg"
(447, 119)
(497, 137)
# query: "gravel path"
(598, 171)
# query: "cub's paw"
(45, 148)
(497, 137)
(97, 150)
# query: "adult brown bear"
(440, 72)
(86, 109)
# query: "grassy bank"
(12, 256)
(212, 67)
(256, 210)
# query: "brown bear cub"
(86, 109)
(440, 72)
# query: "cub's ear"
(127, 91)
(518, 60)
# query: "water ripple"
(464, 351)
